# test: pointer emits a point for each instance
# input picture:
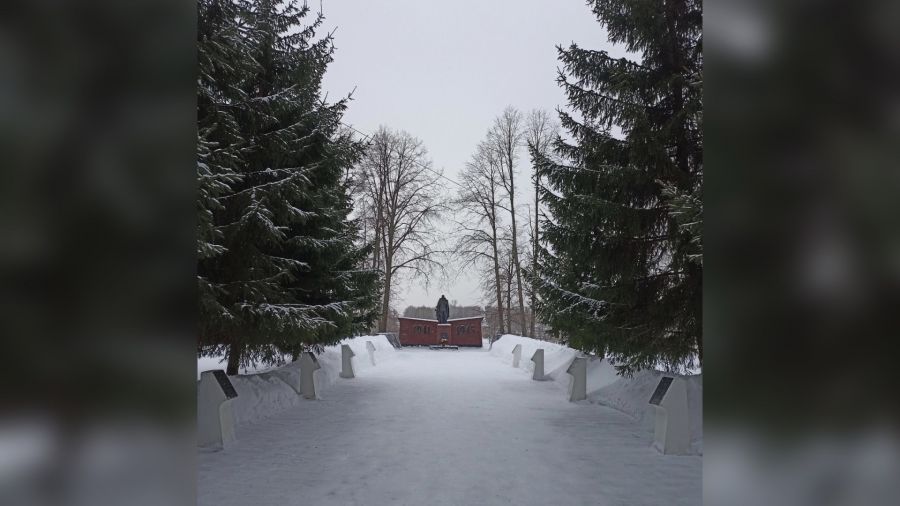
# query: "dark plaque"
(225, 383)
(661, 390)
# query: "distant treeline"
(455, 311)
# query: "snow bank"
(604, 386)
(556, 356)
(631, 396)
(259, 396)
(264, 394)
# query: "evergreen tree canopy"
(621, 270)
(279, 264)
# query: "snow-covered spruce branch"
(595, 307)
(292, 178)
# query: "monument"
(538, 359)
(672, 427)
(215, 417)
(442, 332)
(371, 349)
(309, 364)
(347, 362)
(517, 355)
(578, 382)
(442, 311)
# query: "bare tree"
(507, 271)
(403, 191)
(480, 203)
(506, 138)
(540, 131)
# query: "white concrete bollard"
(371, 349)
(578, 383)
(538, 359)
(517, 355)
(215, 418)
(347, 361)
(672, 433)
(308, 383)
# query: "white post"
(215, 418)
(308, 367)
(538, 360)
(517, 355)
(347, 361)
(371, 349)
(672, 433)
(578, 383)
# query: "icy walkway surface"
(445, 428)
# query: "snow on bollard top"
(347, 361)
(517, 355)
(578, 384)
(371, 349)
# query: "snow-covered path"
(445, 428)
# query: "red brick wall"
(463, 332)
(415, 332)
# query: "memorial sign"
(215, 418)
(225, 383)
(672, 430)
(661, 390)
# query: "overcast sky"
(442, 70)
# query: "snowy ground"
(443, 427)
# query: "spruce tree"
(620, 271)
(279, 260)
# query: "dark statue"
(442, 310)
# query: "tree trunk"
(234, 358)
(379, 227)
(509, 275)
(386, 298)
(376, 252)
(534, 253)
(518, 269)
(497, 281)
(515, 241)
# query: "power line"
(367, 137)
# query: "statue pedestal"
(443, 333)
